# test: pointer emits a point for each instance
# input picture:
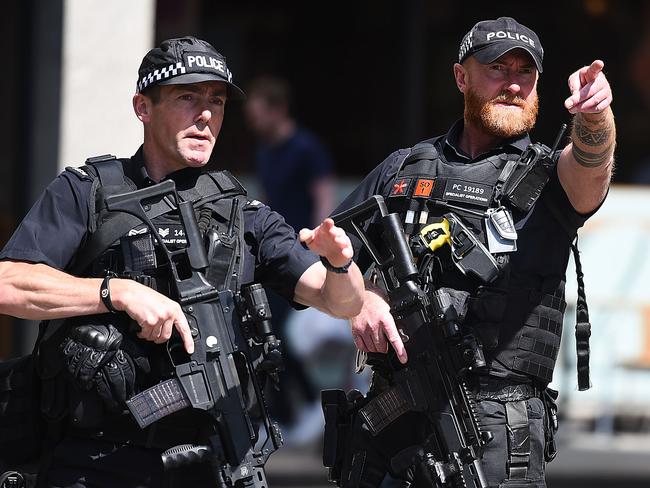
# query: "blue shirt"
(288, 172)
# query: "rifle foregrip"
(185, 454)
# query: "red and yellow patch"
(423, 188)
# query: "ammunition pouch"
(20, 421)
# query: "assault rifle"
(433, 380)
(234, 347)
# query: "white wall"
(103, 45)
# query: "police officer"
(182, 90)
(517, 316)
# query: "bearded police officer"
(55, 265)
(515, 308)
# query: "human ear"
(460, 76)
(141, 107)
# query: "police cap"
(490, 39)
(185, 60)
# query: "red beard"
(501, 121)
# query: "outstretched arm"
(585, 165)
(338, 294)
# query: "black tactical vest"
(520, 327)
(120, 243)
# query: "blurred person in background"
(517, 313)
(292, 164)
(109, 318)
(295, 172)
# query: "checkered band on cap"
(466, 45)
(161, 74)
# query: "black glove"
(87, 349)
(115, 381)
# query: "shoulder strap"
(108, 169)
(583, 326)
(108, 177)
(423, 150)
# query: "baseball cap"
(490, 39)
(185, 60)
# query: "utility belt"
(500, 390)
(483, 387)
(388, 400)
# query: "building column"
(103, 45)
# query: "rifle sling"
(583, 326)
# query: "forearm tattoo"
(590, 159)
(596, 141)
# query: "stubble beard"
(500, 121)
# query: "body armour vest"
(120, 244)
(218, 200)
(517, 316)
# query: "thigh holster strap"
(518, 439)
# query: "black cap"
(490, 39)
(185, 60)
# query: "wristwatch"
(334, 269)
(105, 294)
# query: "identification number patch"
(468, 192)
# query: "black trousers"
(368, 459)
(90, 463)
